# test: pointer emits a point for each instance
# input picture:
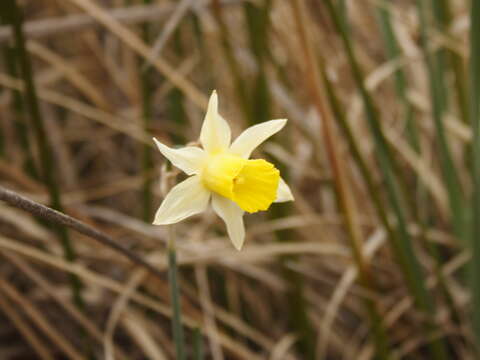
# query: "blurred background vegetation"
(378, 257)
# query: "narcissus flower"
(223, 172)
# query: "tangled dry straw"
(370, 261)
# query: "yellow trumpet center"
(252, 184)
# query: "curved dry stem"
(59, 218)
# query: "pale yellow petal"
(254, 136)
(215, 134)
(232, 215)
(188, 159)
(188, 198)
(283, 192)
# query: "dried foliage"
(371, 259)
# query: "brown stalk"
(59, 218)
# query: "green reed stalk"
(378, 203)
(258, 22)
(475, 121)
(2, 136)
(393, 53)
(436, 73)
(198, 353)
(357, 156)
(341, 177)
(177, 328)
(257, 18)
(147, 114)
(443, 18)
(231, 59)
(18, 108)
(402, 244)
(205, 60)
(2, 144)
(175, 108)
(298, 306)
(437, 68)
(343, 11)
(12, 14)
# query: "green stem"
(435, 68)
(366, 173)
(197, 344)
(177, 328)
(258, 21)
(475, 121)
(231, 59)
(175, 110)
(147, 111)
(393, 52)
(443, 17)
(18, 108)
(343, 11)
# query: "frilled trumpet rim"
(251, 184)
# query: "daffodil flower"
(223, 172)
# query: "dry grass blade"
(142, 49)
(83, 109)
(42, 351)
(41, 321)
(116, 312)
(168, 30)
(208, 310)
(129, 15)
(99, 280)
(348, 278)
(88, 325)
(282, 347)
(342, 177)
(138, 331)
(78, 80)
(366, 263)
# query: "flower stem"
(175, 296)
(197, 344)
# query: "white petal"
(215, 134)
(188, 159)
(233, 217)
(255, 135)
(283, 192)
(188, 198)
